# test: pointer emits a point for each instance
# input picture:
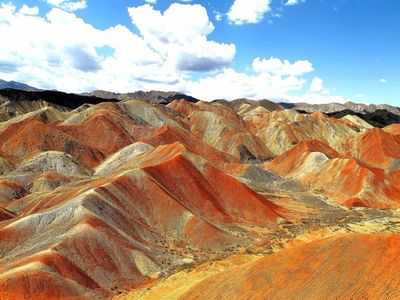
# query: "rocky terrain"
(194, 200)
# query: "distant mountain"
(337, 107)
(157, 97)
(235, 104)
(16, 85)
(379, 118)
(71, 101)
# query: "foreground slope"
(349, 267)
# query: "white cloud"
(276, 66)
(317, 86)
(273, 79)
(230, 84)
(316, 98)
(68, 5)
(276, 85)
(180, 38)
(382, 80)
(30, 11)
(293, 2)
(61, 51)
(248, 11)
(151, 1)
(218, 16)
(177, 24)
(318, 93)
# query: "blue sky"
(304, 50)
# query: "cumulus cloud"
(248, 11)
(382, 80)
(203, 56)
(293, 2)
(175, 25)
(82, 59)
(182, 39)
(318, 93)
(317, 86)
(26, 10)
(60, 50)
(282, 67)
(273, 79)
(68, 4)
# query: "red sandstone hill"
(304, 155)
(104, 198)
(348, 181)
(377, 148)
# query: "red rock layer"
(349, 267)
(91, 229)
(68, 234)
(293, 158)
(377, 148)
(32, 136)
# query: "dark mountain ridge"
(157, 97)
(379, 118)
(71, 101)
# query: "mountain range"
(125, 198)
(151, 96)
(334, 107)
(160, 97)
(16, 85)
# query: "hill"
(100, 198)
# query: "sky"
(315, 51)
